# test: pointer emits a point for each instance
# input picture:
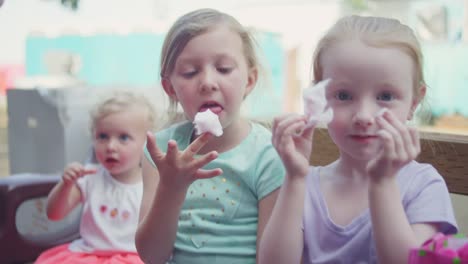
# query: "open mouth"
(112, 160)
(363, 138)
(213, 106)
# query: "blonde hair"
(119, 101)
(194, 24)
(377, 32)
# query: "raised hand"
(292, 139)
(178, 169)
(74, 171)
(400, 145)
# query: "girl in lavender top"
(374, 203)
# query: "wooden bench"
(448, 153)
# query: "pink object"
(62, 254)
(315, 104)
(441, 249)
(207, 121)
(463, 252)
(8, 75)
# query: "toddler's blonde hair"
(121, 100)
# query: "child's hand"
(400, 145)
(292, 139)
(178, 169)
(74, 171)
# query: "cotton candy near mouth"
(315, 104)
(207, 121)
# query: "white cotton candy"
(315, 104)
(207, 121)
(381, 112)
(91, 166)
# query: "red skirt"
(61, 254)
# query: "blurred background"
(58, 56)
(51, 47)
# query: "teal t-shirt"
(218, 221)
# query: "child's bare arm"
(282, 240)
(156, 231)
(394, 235)
(66, 195)
(164, 194)
(265, 208)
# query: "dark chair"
(25, 231)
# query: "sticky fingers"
(74, 171)
(197, 144)
(155, 153)
(401, 143)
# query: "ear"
(251, 81)
(168, 88)
(416, 100)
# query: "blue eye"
(102, 136)
(385, 96)
(343, 96)
(124, 137)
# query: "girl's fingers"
(89, 171)
(282, 127)
(197, 144)
(291, 120)
(203, 160)
(404, 132)
(68, 175)
(387, 142)
(172, 150)
(395, 138)
(277, 121)
(308, 132)
(205, 174)
(291, 131)
(155, 153)
(72, 174)
(75, 172)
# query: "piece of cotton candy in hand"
(91, 166)
(315, 104)
(207, 121)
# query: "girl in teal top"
(206, 199)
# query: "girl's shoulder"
(416, 177)
(419, 172)
(260, 133)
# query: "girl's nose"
(111, 145)
(208, 82)
(364, 116)
(363, 121)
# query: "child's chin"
(366, 154)
(113, 168)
